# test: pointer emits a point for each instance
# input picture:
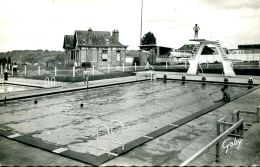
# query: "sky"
(42, 24)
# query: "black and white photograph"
(129, 83)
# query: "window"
(107, 41)
(72, 56)
(118, 55)
(104, 55)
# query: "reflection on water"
(7, 88)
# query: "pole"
(141, 23)
(1, 69)
(135, 66)
(93, 70)
(151, 75)
(25, 70)
(217, 145)
(123, 67)
(39, 70)
(73, 72)
(166, 65)
(12, 71)
(55, 71)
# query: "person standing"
(6, 74)
(15, 68)
(85, 75)
(196, 31)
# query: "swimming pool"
(143, 107)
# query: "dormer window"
(107, 41)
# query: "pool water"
(8, 88)
(142, 107)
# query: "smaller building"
(154, 54)
(252, 48)
(250, 52)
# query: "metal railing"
(122, 134)
(227, 132)
(236, 114)
(47, 82)
(53, 81)
(232, 129)
(109, 132)
(108, 149)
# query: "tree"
(9, 61)
(148, 39)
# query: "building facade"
(94, 48)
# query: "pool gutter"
(217, 82)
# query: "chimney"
(115, 35)
(90, 36)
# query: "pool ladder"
(151, 74)
(109, 138)
(147, 74)
(49, 83)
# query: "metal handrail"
(45, 82)
(53, 81)
(236, 114)
(122, 134)
(215, 141)
(108, 140)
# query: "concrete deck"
(14, 153)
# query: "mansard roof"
(99, 39)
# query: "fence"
(70, 71)
(239, 60)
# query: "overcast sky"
(42, 24)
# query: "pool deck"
(15, 153)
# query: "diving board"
(227, 64)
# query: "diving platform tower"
(227, 64)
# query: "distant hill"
(30, 57)
(34, 56)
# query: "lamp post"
(141, 23)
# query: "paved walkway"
(14, 153)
